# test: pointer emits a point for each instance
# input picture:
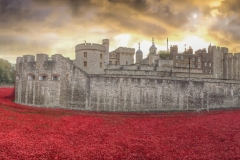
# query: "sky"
(29, 27)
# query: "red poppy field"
(40, 133)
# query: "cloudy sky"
(56, 26)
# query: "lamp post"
(189, 68)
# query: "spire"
(153, 49)
(139, 50)
(167, 43)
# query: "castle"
(100, 80)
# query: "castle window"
(210, 64)
(176, 57)
(110, 62)
(199, 66)
(205, 58)
(176, 64)
(182, 65)
(210, 71)
(181, 57)
(205, 63)
(199, 59)
(100, 64)
(85, 63)
(100, 56)
(193, 58)
(85, 54)
(193, 66)
(31, 77)
(55, 78)
(17, 77)
(42, 78)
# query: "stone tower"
(173, 50)
(92, 58)
(218, 55)
(139, 55)
(105, 43)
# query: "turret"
(218, 57)
(139, 55)
(105, 43)
(92, 57)
(209, 48)
(153, 49)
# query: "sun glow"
(195, 16)
(193, 41)
(122, 39)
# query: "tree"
(7, 72)
(164, 54)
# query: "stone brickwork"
(155, 94)
(67, 90)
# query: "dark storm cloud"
(76, 6)
(140, 5)
(19, 10)
(229, 5)
(23, 22)
(227, 22)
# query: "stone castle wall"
(113, 93)
(77, 90)
(124, 87)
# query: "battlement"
(90, 46)
(56, 57)
(105, 41)
(41, 57)
(19, 60)
(219, 49)
(125, 50)
(230, 55)
(28, 58)
(224, 50)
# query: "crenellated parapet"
(41, 57)
(19, 60)
(28, 58)
(89, 46)
(125, 50)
